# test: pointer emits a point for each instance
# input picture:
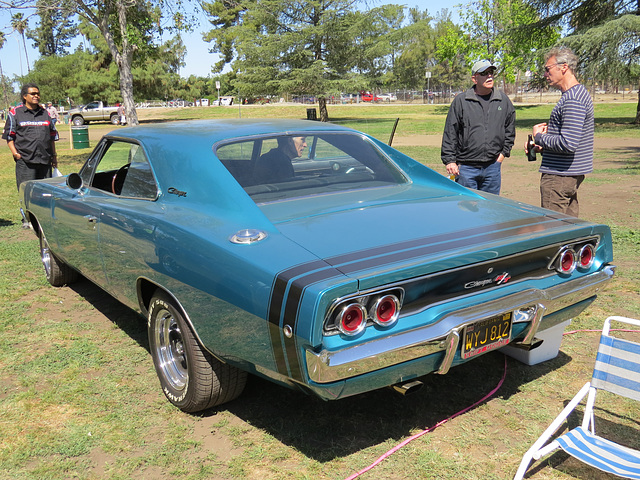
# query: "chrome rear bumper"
(443, 336)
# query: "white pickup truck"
(94, 112)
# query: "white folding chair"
(617, 370)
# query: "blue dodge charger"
(309, 254)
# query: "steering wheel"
(118, 179)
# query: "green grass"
(80, 398)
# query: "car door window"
(123, 169)
(139, 181)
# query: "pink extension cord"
(442, 422)
(430, 429)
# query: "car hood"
(403, 226)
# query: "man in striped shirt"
(566, 141)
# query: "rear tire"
(115, 119)
(191, 378)
(58, 273)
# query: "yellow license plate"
(486, 335)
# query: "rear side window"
(284, 166)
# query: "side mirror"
(74, 181)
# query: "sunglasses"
(548, 67)
(34, 94)
(486, 73)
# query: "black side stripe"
(298, 278)
(296, 291)
(276, 301)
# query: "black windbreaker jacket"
(475, 136)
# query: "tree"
(84, 76)
(19, 24)
(5, 94)
(52, 35)
(605, 34)
(130, 29)
(417, 50)
(451, 52)
(496, 30)
(305, 48)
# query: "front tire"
(78, 121)
(58, 273)
(191, 378)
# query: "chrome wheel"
(57, 272)
(170, 350)
(191, 378)
(45, 256)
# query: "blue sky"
(198, 59)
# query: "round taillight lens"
(586, 256)
(386, 310)
(352, 319)
(567, 262)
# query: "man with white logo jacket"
(31, 135)
(479, 132)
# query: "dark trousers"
(560, 193)
(31, 171)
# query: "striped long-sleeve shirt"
(567, 147)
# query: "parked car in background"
(226, 100)
(388, 97)
(96, 111)
(353, 268)
(370, 97)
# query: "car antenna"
(393, 131)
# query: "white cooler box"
(552, 338)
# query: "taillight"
(586, 256)
(352, 315)
(352, 319)
(567, 261)
(386, 310)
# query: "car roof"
(181, 152)
(212, 131)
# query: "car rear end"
(427, 303)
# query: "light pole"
(428, 77)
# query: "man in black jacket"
(31, 135)
(479, 132)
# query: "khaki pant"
(560, 193)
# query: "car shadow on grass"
(326, 430)
(129, 321)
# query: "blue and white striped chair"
(617, 370)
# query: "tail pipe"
(407, 388)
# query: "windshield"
(293, 165)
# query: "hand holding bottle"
(530, 149)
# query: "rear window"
(284, 166)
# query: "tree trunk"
(26, 55)
(123, 56)
(126, 89)
(324, 113)
(637, 120)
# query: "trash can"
(80, 137)
(311, 114)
